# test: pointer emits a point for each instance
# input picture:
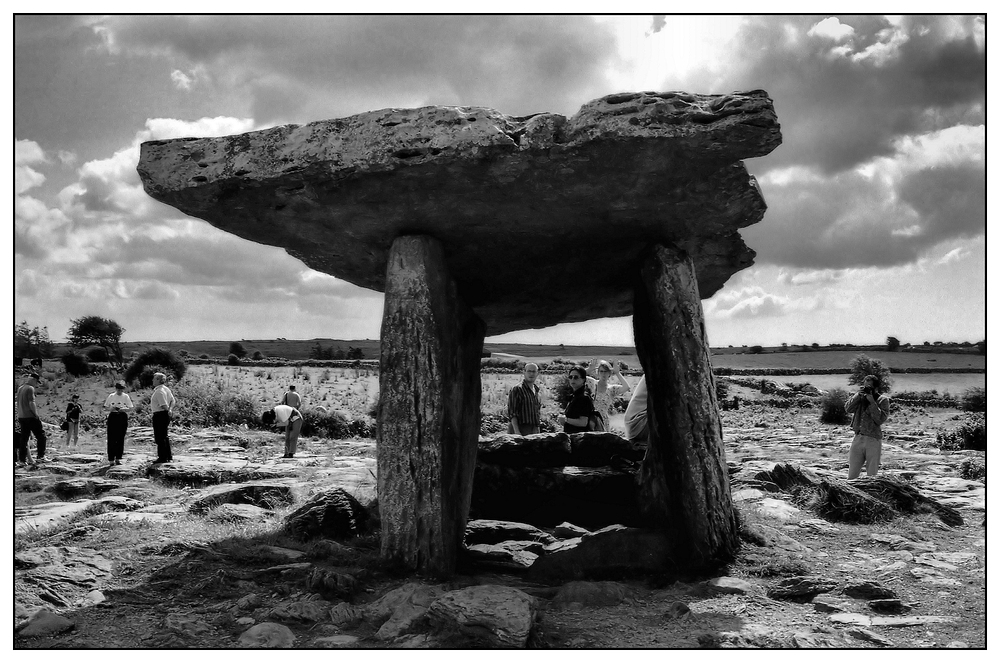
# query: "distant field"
(950, 357)
(821, 359)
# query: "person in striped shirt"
(523, 405)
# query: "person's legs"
(74, 432)
(161, 423)
(856, 457)
(39, 431)
(873, 456)
(112, 432)
(292, 436)
(22, 441)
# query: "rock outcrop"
(499, 192)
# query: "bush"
(974, 399)
(834, 407)
(206, 404)
(970, 435)
(75, 364)
(203, 356)
(236, 348)
(257, 355)
(97, 354)
(756, 349)
(319, 422)
(973, 469)
(721, 389)
(160, 358)
(863, 365)
(233, 360)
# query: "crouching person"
(290, 419)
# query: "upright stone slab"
(428, 419)
(684, 483)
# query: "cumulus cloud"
(181, 80)
(832, 29)
(928, 69)
(754, 302)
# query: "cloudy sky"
(876, 199)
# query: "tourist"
(870, 409)
(73, 412)
(292, 398)
(161, 402)
(635, 414)
(576, 418)
(118, 404)
(27, 419)
(291, 419)
(523, 405)
(603, 391)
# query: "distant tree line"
(319, 352)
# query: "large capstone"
(541, 218)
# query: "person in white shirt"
(118, 405)
(635, 414)
(161, 403)
(291, 419)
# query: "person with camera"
(869, 408)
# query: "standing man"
(27, 418)
(292, 398)
(161, 403)
(869, 408)
(291, 419)
(523, 406)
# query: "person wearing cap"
(161, 403)
(118, 404)
(27, 418)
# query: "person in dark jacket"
(581, 406)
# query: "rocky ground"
(195, 554)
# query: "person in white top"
(161, 402)
(635, 414)
(118, 405)
(603, 391)
(291, 419)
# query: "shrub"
(208, 404)
(236, 348)
(833, 408)
(257, 355)
(75, 364)
(319, 422)
(973, 469)
(721, 389)
(970, 435)
(974, 399)
(756, 349)
(203, 356)
(160, 358)
(233, 360)
(863, 365)
(492, 423)
(97, 354)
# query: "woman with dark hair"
(581, 406)
(869, 409)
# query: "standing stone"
(428, 420)
(683, 480)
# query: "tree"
(236, 348)
(355, 353)
(892, 343)
(76, 364)
(31, 342)
(150, 361)
(981, 345)
(863, 365)
(95, 330)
